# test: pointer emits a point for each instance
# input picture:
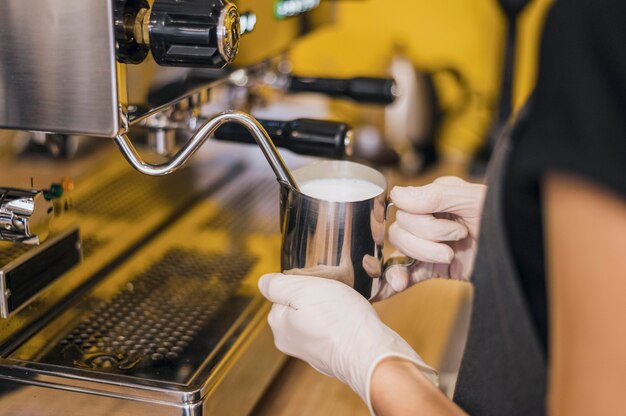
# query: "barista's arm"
(585, 228)
(399, 388)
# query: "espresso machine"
(128, 267)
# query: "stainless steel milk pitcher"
(336, 240)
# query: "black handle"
(321, 138)
(360, 89)
(194, 33)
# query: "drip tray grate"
(11, 251)
(133, 195)
(163, 322)
(91, 244)
(253, 209)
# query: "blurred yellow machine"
(466, 35)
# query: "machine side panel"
(57, 67)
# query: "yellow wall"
(466, 34)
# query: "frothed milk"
(340, 190)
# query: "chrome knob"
(24, 215)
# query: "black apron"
(503, 370)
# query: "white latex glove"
(436, 224)
(334, 329)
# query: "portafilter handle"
(321, 138)
(206, 130)
(363, 90)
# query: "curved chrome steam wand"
(200, 136)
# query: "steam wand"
(200, 136)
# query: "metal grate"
(11, 251)
(132, 195)
(91, 244)
(158, 316)
(253, 209)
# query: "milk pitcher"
(336, 240)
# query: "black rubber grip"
(321, 138)
(360, 89)
(185, 33)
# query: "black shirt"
(576, 124)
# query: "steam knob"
(193, 33)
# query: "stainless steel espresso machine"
(128, 268)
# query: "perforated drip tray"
(132, 195)
(10, 251)
(91, 244)
(164, 324)
(253, 208)
(178, 324)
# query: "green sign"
(289, 8)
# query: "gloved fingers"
(418, 248)
(385, 292)
(281, 289)
(431, 228)
(393, 282)
(371, 265)
(451, 180)
(402, 277)
(319, 369)
(277, 316)
(461, 199)
(277, 320)
(296, 291)
(397, 277)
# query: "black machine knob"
(187, 33)
(360, 89)
(194, 33)
(321, 138)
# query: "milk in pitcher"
(340, 190)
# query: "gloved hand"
(334, 329)
(436, 224)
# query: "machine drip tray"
(163, 321)
(164, 326)
(177, 329)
